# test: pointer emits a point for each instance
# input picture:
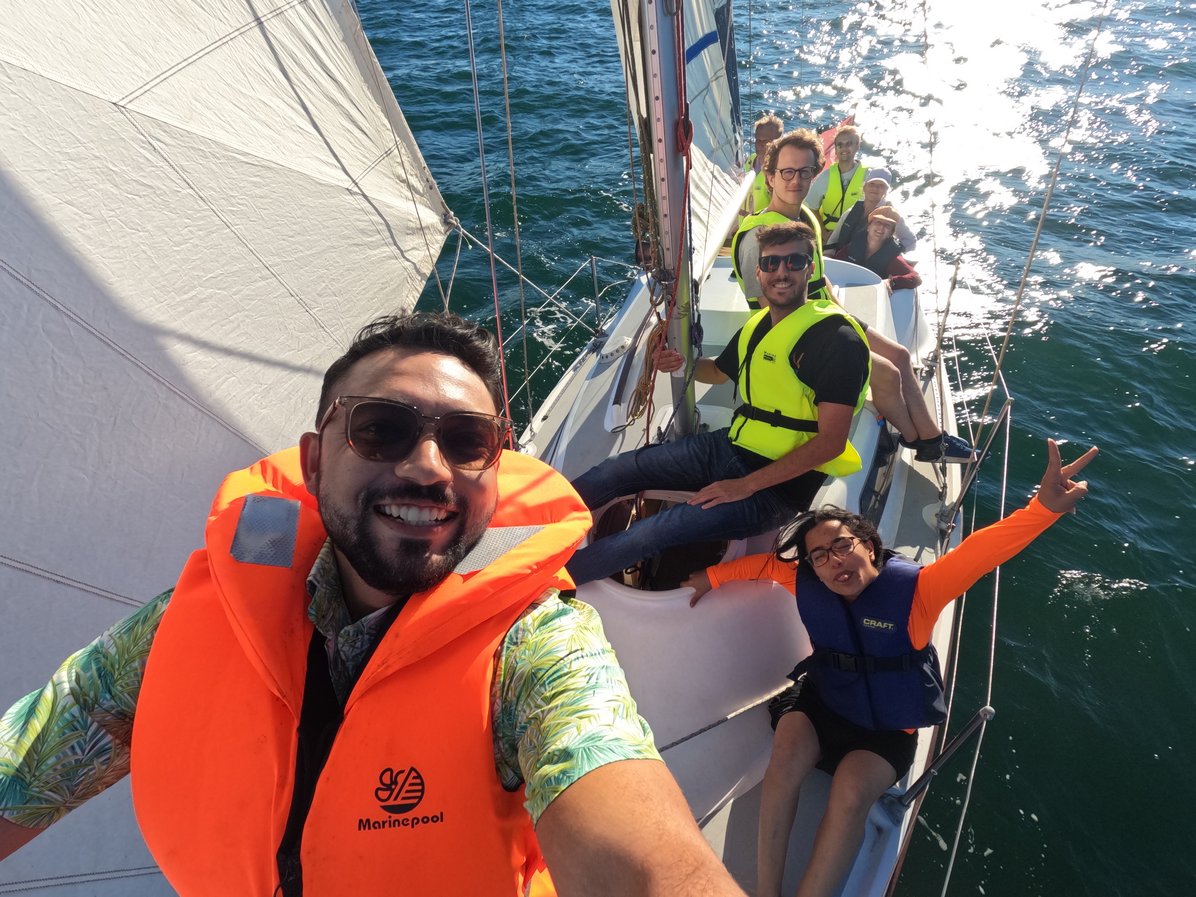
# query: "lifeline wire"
(1000, 358)
(477, 112)
(1046, 202)
(506, 95)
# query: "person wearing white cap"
(876, 188)
(876, 249)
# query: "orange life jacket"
(409, 800)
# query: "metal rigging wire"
(1046, 202)
(506, 95)
(997, 381)
(477, 111)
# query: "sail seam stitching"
(134, 95)
(125, 353)
(232, 229)
(61, 579)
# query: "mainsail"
(200, 203)
(716, 150)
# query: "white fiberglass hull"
(702, 676)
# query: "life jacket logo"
(768, 356)
(399, 790)
(871, 623)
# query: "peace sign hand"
(1058, 492)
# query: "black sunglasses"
(386, 430)
(794, 261)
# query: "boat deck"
(702, 676)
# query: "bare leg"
(888, 399)
(922, 421)
(860, 779)
(794, 752)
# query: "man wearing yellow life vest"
(789, 166)
(802, 370)
(841, 186)
(767, 129)
(372, 678)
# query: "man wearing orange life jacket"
(371, 677)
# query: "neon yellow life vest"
(816, 289)
(836, 202)
(759, 196)
(779, 413)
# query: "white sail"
(716, 151)
(200, 203)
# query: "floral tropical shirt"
(561, 706)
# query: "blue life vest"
(864, 666)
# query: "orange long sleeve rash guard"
(939, 583)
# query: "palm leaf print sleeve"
(68, 741)
(562, 706)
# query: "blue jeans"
(688, 464)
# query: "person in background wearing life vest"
(841, 186)
(373, 677)
(767, 129)
(789, 166)
(876, 188)
(801, 367)
(861, 727)
(876, 248)
(791, 162)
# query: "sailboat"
(703, 676)
(201, 205)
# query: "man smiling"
(395, 536)
(372, 678)
(802, 370)
(790, 164)
(841, 186)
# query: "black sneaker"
(927, 449)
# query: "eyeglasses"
(844, 144)
(794, 261)
(386, 430)
(840, 548)
(806, 172)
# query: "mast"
(678, 60)
(666, 165)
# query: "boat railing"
(561, 302)
(984, 430)
(902, 802)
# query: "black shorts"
(838, 737)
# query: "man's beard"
(790, 300)
(411, 567)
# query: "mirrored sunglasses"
(794, 261)
(388, 430)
